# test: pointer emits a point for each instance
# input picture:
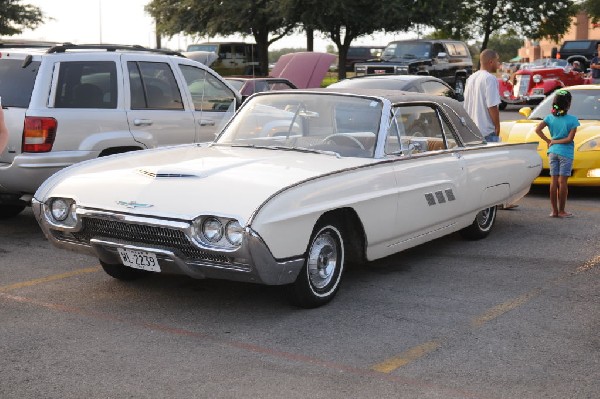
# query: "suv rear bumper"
(28, 171)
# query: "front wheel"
(320, 276)
(481, 226)
(121, 272)
(502, 106)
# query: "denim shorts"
(559, 165)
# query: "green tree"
(261, 19)
(592, 7)
(507, 45)
(14, 17)
(534, 19)
(342, 21)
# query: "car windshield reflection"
(585, 104)
(336, 124)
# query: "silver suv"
(70, 103)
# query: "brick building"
(581, 29)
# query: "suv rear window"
(577, 45)
(86, 84)
(16, 82)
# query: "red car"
(534, 81)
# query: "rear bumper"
(27, 172)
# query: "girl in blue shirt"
(561, 150)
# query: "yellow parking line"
(43, 280)
(403, 359)
(499, 310)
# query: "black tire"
(320, 277)
(459, 85)
(502, 105)
(121, 272)
(481, 226)
(9, 211)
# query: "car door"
(431, 176)
(213, 100)
(156, 111)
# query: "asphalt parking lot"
(515, 315)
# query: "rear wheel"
(320, 277)
(481, 226)
(9, 211)
(121, 272)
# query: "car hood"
(305, 69)
(524, 131)
(184, 182)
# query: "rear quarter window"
(86, 84)
(16, 82)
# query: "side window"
(415, 129)
(153, 86)
(438, 48)
(460, 50)
(86, 84)
(208, 92)
(436, 88)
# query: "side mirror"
(525, 111)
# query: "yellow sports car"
(586, 107)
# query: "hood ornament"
(133, 204)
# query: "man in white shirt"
(482, 96)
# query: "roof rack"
(109, 47)
(26, 45)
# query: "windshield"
(547, 63)
(319, 122)
(585, 104)
(407, 50)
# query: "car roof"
(395, 82)
(394, 96)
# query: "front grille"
(162, 237)
(521, 85)
(380, 69)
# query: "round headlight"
(234, 232)
(60, 209)
(212, 229)
(505, 77)
(537, 78)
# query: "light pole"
(100, 19)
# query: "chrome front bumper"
(251, 262)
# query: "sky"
(126, 22)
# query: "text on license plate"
(139, 259)
(538, 91)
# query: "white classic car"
(297, 184)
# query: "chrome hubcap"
(322, 260)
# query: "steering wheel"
(334, 138)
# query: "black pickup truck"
(578, 50)
(448, 60)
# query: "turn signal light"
(39, 134)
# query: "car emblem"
(133, 204)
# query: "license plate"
(139, 259)
(538, 92)
(379, 71)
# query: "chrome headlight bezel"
(61, 212)
(212, 230)
(537, 78)
(218, 232)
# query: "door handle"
(206, 122)
(142, 122)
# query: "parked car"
(69, 103)
(296, 186)
(580, 50)
(232, 58)
(250, 85)
(585, 106)
(536, 80)
(361, 54)
(448, 60)
(414, 83)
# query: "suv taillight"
(38, 134)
